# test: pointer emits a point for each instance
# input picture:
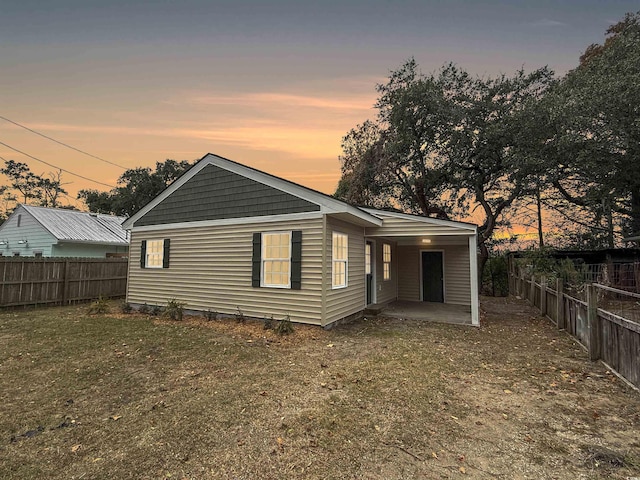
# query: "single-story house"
(56, 232)
(225, 236)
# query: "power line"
(61, 143)
(56, 167)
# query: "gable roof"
(327, 204)
(80, 227)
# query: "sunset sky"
(272, 84)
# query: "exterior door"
(432, 277)
(369, 271)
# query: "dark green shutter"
(256, 259)
(143, 253)
(296, 260)
(165, 253)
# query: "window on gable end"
(155, 253)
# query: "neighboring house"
(54, 232)
(226, 236)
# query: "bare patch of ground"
(130, 396)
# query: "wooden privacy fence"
(607, 336)
(42, 281)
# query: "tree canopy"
(26, 187)
(444, 144)
(593, 153)
(136, 187)
(452, 145)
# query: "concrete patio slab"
(429, 311)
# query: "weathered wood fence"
(607, 336)
(44, 281)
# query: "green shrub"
(125, 307)
(174, 309)
(268, 323)
(155, 310)
(144, 308)
(495, 281)
(284, 326)
(211, 315)
(100, 306)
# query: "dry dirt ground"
(130, 396)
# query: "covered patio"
(422, 268)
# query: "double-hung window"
(340, 255)
(155, 253)
(276, 259)
(386, 261)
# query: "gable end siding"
(215, 193)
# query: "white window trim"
(262, 259)
(345, 261)
(146, 255)
(385, 263)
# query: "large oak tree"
(447, 145)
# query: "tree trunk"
(482, 262)
(635, 214)
(540, 234)
(610, 237)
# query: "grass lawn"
(131, 396)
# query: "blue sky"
(271, 84)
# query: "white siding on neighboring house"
(342, 302)
(69, 249)
(210, 269)
(457, 280)
(38, 239)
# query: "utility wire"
(61, 143)
(56, 167)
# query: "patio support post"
(473, 272)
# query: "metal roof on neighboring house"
(84, 227)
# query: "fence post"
(543, 295)
(65, 285)
(532, 290)
(560, 305)
(594, 323)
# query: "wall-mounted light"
(4, 242)
(24, 241)
(426, 240)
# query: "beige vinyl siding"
(457, 280)
(210, 269)
(409, 273)
(342, 302)
(387, 290)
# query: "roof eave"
(92, 242)
(471, 227)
